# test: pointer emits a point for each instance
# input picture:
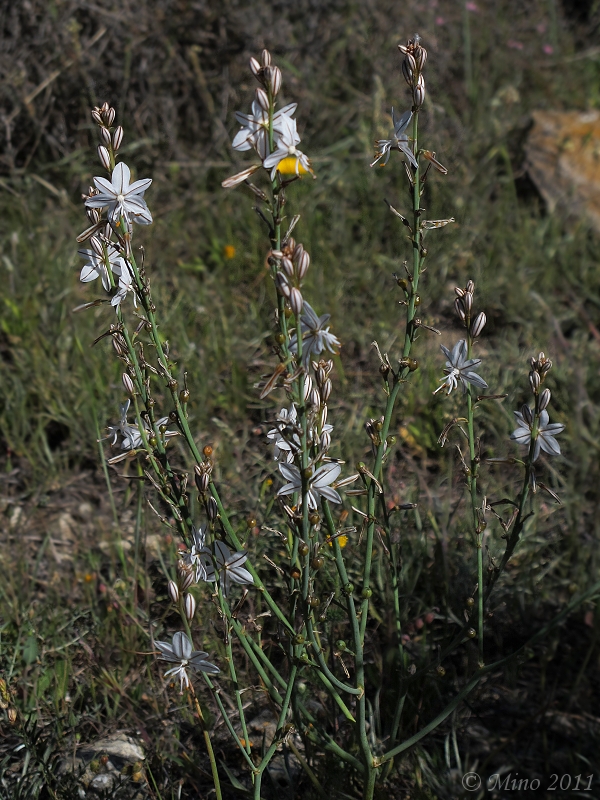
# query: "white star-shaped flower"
(286, 441)
(180, 652)
(544, 439)
(315, 336)
(319, 484)
(459, 368)
(96, 266)
(229, 567)
(124, 199)
(399, 141)
(286, 148)
(255, 127)
(199, 556)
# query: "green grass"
(76, 606)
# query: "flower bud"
(212, 509)
(470, 287)
(419, 92)
(108, 115)
(326, 390)
(173, 592)
(479, 324)
(97, 246)
(117, 138)
(266, 58)
(202, 479)
(308, 385)
(296, 301)
(420, 55)
(282, 284)
(408, 75)
(96, 116)
(302, 263)
(323, 416)
(468, 302)
(315, 398)
(527, 414)
(262, 99)
(459, 308)
(189, 606)
(104, 157)
(93, 215)
(117, 346)
(411, 64)
(255, 67)
(325, 440)
(128, 383)
(273, 79)
(105, 135)
(534, 381)
(544, 399)
(287, 266)
(458, 291)
(546, 367)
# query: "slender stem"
(209, 747)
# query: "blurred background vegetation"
(81, 562)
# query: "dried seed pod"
(128, 383)
(296, 301)
(117, 138)
(479, 324)
(544, 399)
(189, 606)
(173, 591)
(104, 157)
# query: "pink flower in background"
(548, 49)
(514, 45)
(440, 21)
(472, 6)
(541, 27)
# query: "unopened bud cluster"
(267, 74)
(540, 367)
(293, 262)
(463, 305)
(415, 57)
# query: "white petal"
(120, 178)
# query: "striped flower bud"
(93, 215)
(262, 99)
(296, 301)
(189, 606)
(96, 116)
(326, 390)
(128, 383)
(173, 592)
(212, 510)
(408, 75)
(419, 92)
(109, 117)
(527, 414)
(117, 138)
(479, 324)
(302, 262)
(273, 79)
(534, 381)
(255, 67)
(266, 58)
(104, 157)
(470, 287)
(282, 284)
(315, 397)
(97, 246)
(105, 135)
(325, 440)
(468, 301)
(308, 385)
(287, 266)
(544, 399)
(459, 308)
(420, 55)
